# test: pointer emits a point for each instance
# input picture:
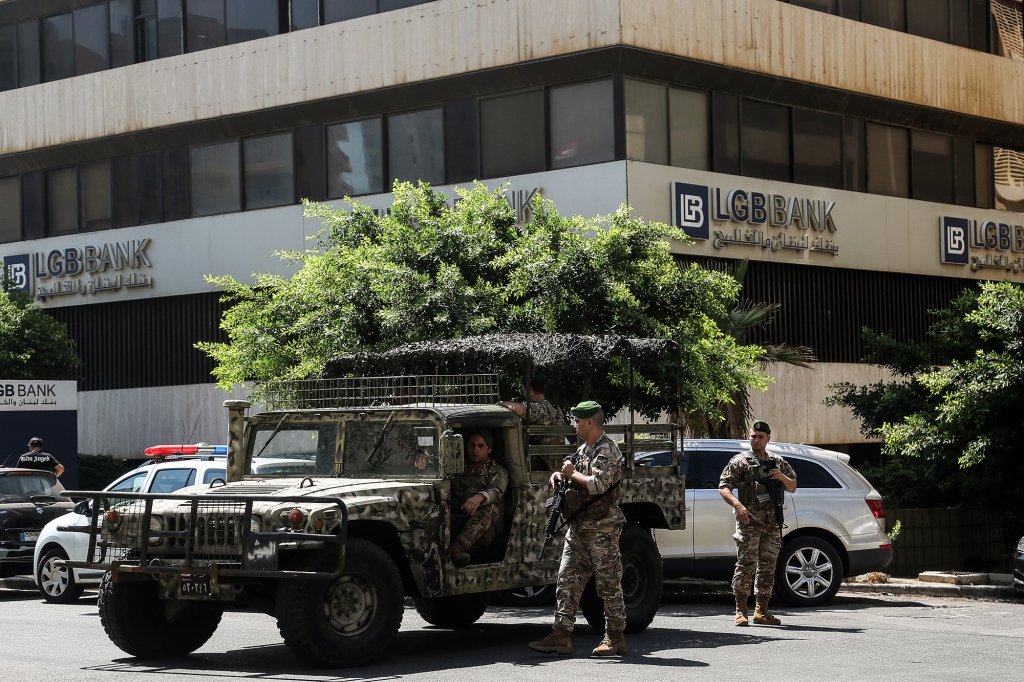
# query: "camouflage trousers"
(587, 553)
(476, 529)
(757, 550)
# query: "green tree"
(32, 344)
(428, 271)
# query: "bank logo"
(954, 240)
(690, 209)
(17, 273)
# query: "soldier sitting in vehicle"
(476, 494)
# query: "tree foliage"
(32, 344)
(427, 271)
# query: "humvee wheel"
(348, 621)
(641, 583)
(143, 625)
(453, 612)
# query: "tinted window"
(928, 19)
(175, 183)
(169, 480)
(211, 474)
(252, 19)
(963, 170)
(354, 159)
(931, 163)
(33, 204)
(147, 33)
(461, 151)
(305, 14)
(61, 201)
(309, 163)
(30, 67)
(122, 33)
(817, 148)
(22, 488)
(712, 462)
(830, 6)
(688, 128)
(169, 33)
(512, 134)
(887, 160)
(8, 57)
(854, 155)
(979, 27)
(983, 178)
(58, 48)
(416, 147)
(884, 13)
(725, 127)
(811, 474)
(94, 183)
(132, 484)
(215, 183)
(205, 24)
(646, 121)
(92, 39)
(10, 209)
(960, 22)
(765, 141)
(150, 188)
(582, 124)
(339, 10)
(125, 171)
(269, 171)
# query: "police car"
(171, 468)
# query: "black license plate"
(194, 584)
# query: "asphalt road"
(693, 638)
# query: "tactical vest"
(596, 510)
(752, 489)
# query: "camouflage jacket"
(490, 480)
(543, 413)
(745, 476)
(602, 465)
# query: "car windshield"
(293, 449)
(21, 487)
(390, 448)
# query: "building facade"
(862, 154)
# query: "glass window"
(132, 484)
(252, 19)
(61, 201)
(725, 128)
(582, 124)
(410, 448)
(887, 148)
(169, 480)
(1008, 167)
(963, 170)
(854, 151)
(388, 5)
(960, 22)
(884, 13)
(646, 121)
(8, 57)
(850, 9)
(295, 450)
(829, 6)
(58, 48)
(983, 176)
(812, 475)
(30, 67)
(211, 474)
(125, 171)
(169, 33)
(512, 134)
(461, 149)
(765, 141)
(95, 195)
(122, 33)
(309, 163)
(145, 30)
(174, 179)
(354, 159)
(979, 25)
(305, 14)
(688, 128)
(928, 19)
(204, 24)
(269, 171)
(712, 462)
(92, 39)
(10, 209)
(817, 148)
(33, 204)
(215, 183)
(150, 188)
(931, 163)
(416, 147)
(340, 10)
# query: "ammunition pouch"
(580, 503)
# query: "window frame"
(383, 152)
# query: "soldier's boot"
(558, 642)
(761, 615)
(613, 644)
(741, 610)
(459, 556)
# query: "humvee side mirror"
(452, 457)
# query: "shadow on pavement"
(19, 595)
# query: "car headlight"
(255, 524)
(1020, 546)
(156, 523)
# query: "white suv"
(165, 474)
(834, 522)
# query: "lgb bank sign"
(999, 239)
(88, 270)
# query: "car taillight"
(877, 508)
(885, 547)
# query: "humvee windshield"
(294, 450)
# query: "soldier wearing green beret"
(592, 541)
(757, 537)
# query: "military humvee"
(350, 514)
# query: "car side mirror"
(452, 457)
(82, 508)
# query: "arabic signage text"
(38, 395)
(959, 236)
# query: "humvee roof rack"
(382, 391)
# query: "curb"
(1004, 592)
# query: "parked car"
(1018, 567)
(834, 522)
(172, 468)
(28, 501)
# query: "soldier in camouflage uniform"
(476, 494)
(758, 540)
(542, 413)
(592, 541)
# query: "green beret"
(586, 409)
(761, 426)
(486, 435)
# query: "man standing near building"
(758, 535)
(36, 459)
(592, 541)
(476, 494)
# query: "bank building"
(864, 155)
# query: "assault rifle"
(554, 505)
(778, 497)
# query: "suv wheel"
(641, 583)
(57, 583)
(808, 573)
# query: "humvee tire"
(453, 612)
(348, 621)
(641, 583)
(139, 623)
